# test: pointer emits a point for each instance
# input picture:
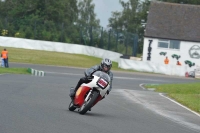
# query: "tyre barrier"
(36, 72)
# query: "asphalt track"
(30, 104)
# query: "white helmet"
(106, 64)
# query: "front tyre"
(88, 104)
(71, 106)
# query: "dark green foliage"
(35, 19)
(72, 22)
(134, 16)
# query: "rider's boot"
(72, 92)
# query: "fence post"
(126, 38)
(109, 39)
(35, 30)
(91, 36)
(6, 21)
(81, 35)
(117, 41)
(135, 45)
(101, 39)
(62, 29)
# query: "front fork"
(88, 96)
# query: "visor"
(106, 68)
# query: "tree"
(127, 19)
(86, 15)
(114, 20)
(134, 13)
(87, 21)
(128, 22)
(47, 19)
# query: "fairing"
(80, 95)
(86, 87)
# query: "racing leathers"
(87, 78)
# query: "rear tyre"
(87, 105)
(71, 106)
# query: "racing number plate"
(102, 83)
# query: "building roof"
(173, 21)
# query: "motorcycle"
(90, 93)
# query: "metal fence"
(105, 38)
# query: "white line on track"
(139, 79)
(179, 104)
(62, 73)
(128, 78)
(4, 74)
(141, 85)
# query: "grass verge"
(54, 58)
(186, 94)
(14, 70)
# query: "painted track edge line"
(179, 104)
(4, 74)
(141, 85)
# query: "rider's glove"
(107, 92)
(89, 77)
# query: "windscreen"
(102, 75)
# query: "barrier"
(133, 64)
(2, 62)
(146, 66)
(58, 47)
(197, 72)
(36, 72)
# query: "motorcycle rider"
(105, 66)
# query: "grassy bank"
(14, 70)
(186, 94)
(54, 58)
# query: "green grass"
(55, 58)
(186, 94)
(14, 70)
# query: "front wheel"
(88, 104)
(71, 106)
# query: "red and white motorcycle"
(90, 93)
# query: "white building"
(173, 30)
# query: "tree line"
(74, 21)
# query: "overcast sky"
(103, 9)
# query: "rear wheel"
(88, 104)
(71, 106)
